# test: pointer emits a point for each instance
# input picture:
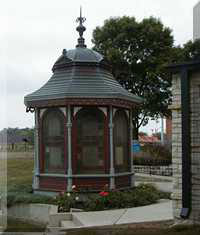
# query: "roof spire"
(81, 29)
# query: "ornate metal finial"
(64, 52)
(81, 29)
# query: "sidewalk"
(157, 178)
(158, 212)
(163, 183)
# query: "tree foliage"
(191, 51)
(138, 53)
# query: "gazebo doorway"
(90, 141)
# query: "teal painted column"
(131, 150)
(69, 148)
(112, 170)
(36, 152)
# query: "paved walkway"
(163, 183)
(161, 211)
(158, 212)
(155, 178)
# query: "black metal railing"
(154, 170)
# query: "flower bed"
(143, 194)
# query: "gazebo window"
(53, 141)
(121, 141)
(90, 141)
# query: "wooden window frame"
(51, 141)
(125, 167)
(104, 168)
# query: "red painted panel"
(53, 183)
(123, 181)
(83, 101)
(91, 183)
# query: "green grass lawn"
(19, 187)
(19, 173)
(3, 170)
(19, 181)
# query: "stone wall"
(194, 78)
(176, 146)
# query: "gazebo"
(83, 124)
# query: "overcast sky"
(35, 32)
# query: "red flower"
(103, 194)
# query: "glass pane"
(53, 140)
(119, 155)
(90, 156)
(54, 128)
(121, 138)
(90, 141)
(53, 123)
(90, 127)
(54, 159)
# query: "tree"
(191, 51)
(138, 53)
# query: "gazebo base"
(53, 185)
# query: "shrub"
(23, 188)
(143, 194)
(65, 200)
(153, 154)
(157, 151)
(14, 198)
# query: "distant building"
(144, 139)
(12, 141)
(169, 128)
(196, 21)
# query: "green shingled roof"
(84, 55)
(80, 73)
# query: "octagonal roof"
(80, 73)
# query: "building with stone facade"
(186, 141)
(196, 21)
